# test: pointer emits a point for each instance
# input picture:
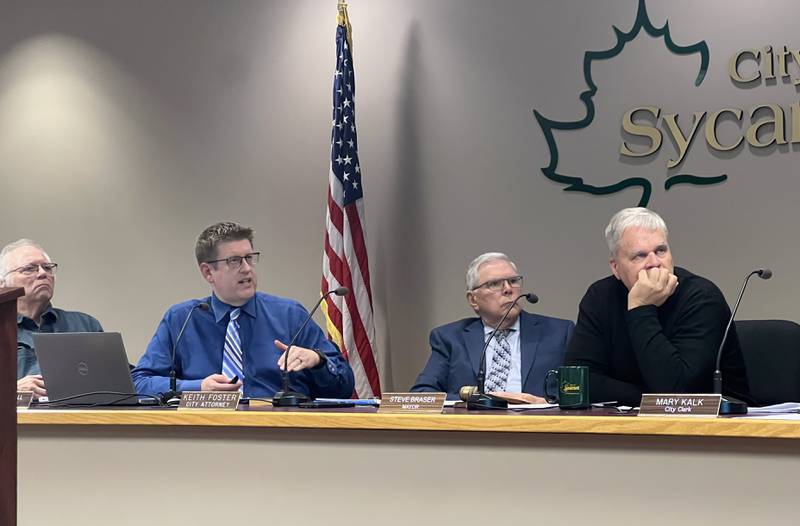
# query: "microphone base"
(289, 399)
(479, 401)
(169, 395)
(732, 406)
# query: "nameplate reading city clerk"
(221, 401)
(412, 403)
(680, 404)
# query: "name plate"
(24, 399)
(412, 402)
(219, 400)
(680, 405)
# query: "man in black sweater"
(652, 327)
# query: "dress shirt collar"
(48, 316)
(487, 329)
(222, 309)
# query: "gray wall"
(127, 127)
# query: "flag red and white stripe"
(349, 319)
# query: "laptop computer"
(74, 363)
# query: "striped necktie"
(232, 350)
(501, 362)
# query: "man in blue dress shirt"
(260, 325)
(24, 263)
(526, 347)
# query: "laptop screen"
(74, 363)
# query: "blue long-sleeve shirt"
(263, 319)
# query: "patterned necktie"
(232, 350)
(501, 362)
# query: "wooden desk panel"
(339, 468)
(368, 419)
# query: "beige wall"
(344, 477)
(127, 127)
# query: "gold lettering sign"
(733, 65)
(711, 129)
(767, 122)
(641, 131)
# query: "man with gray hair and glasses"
(236, 338)
(25, 264)
(523, 350)
(652, 327)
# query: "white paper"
(786, 407)
(519, 407)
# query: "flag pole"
(343, 20)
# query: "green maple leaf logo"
(577, 184)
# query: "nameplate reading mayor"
(680, 405)
(412, 402)
(226, 401)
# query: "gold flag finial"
(343, 20)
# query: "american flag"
(349, 318)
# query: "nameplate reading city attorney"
(412, 403)
(680, 404)
(24, 399)
(221, 401)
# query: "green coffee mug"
(573, 387)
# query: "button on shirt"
(514, 381)
(53, 320)
(263, 319)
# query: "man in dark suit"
(525, 348)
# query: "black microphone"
(479, 399)
(730, 405)
(285, 397)
(173, 380)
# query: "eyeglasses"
(496, 285)
(235, 262)
(33, 268)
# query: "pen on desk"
(355, 401)
(611, 403)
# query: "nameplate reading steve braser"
(24, 399)
(226, 401)
(680, 405)
(412, 402)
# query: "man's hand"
(519, 398)
(219, 382)
(33, 382)
(653, 287)
(299, 357)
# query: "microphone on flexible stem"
(479, 399)
(285, 397)
(730, 405)
(173, 380)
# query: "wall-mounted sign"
(762, 125)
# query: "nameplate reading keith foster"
(221, 401)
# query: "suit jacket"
(456, 350)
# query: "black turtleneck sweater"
(649, 349)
